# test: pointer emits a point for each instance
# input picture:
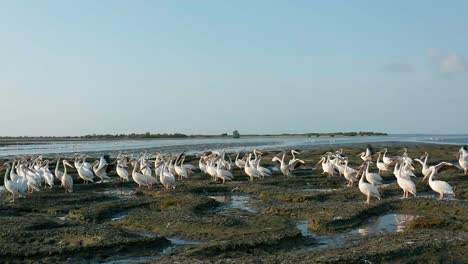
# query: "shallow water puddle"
(235, 202)
(126, 193)
(388, 223)
(118, 216)
(154, 254)
(436, 196)
(319, 190)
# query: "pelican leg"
(368, 199)
(441, 196)
(466, 171)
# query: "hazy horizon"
(209, 67)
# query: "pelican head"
(65, 162)
(425, 155)
(295, 152)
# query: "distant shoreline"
(26, 140)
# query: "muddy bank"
(309, 218)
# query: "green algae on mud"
(113, 220)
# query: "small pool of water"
(388, 223)
(122, 193)
(118, 216)
(154, 254)
(436, 196)
(319, 190)
(241, 202)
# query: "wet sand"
(309, 218)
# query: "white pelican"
(381, 165)
(122, 172)
(33, 179)
(327, 167)
(405, 183)
(211, 168)
(139, 178)
(47, 175)
(400, 173)
(286, 168)
(240, 163)
(463, 159)
(100, 170)
(371, 177)
(349, 173)
(202, 164)
(440, 187)
(263, 171)
(180, 169)
(188, 167)
(251, 170)
(387, 160)
(167, 179)
(16, 188)
(58, 173)
(13, 176)
(294, 159)
(224, 175)
(426, 170)
(367, 189)
(365, 156)
(66, 180)
(86, 174)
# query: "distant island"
(149, 135)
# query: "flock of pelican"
(25, 175)
(403, 169)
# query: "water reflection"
(389, 223)
(241, 202)
(385, 224)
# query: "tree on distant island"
(235, 134)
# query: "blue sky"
(81, 67)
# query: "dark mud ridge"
(309, 218)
